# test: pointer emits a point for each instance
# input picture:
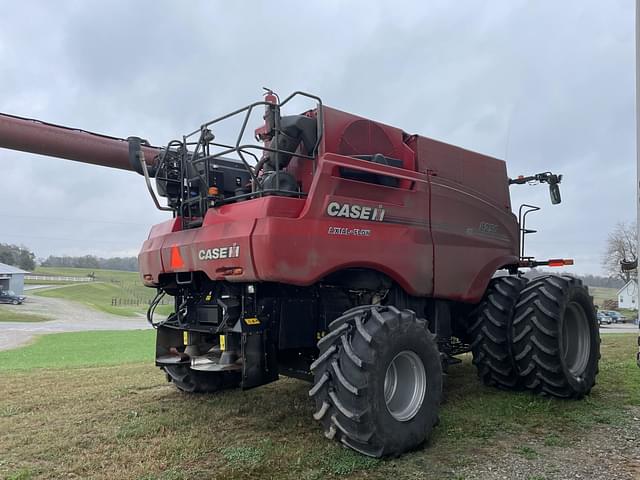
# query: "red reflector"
(560, 262)
(176, 258)
(230, 271)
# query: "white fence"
(57, 278)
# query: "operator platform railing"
(206, 151)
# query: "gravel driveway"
(619, 328)
(606, 453)
(66, 316)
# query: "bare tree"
(621, 245)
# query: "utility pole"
(638, 157)
(638, 166)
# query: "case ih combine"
(348, 253)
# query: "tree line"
(21, 257)
(129, 264)
(17, 256)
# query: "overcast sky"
(545, 85)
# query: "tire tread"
(490, 326)
(535, 333)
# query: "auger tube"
(35, 136)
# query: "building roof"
(4, 268)
(624, 287)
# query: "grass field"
(125, 288)
(104, 421)
(82, 349)
(600, 294)
(12, 314)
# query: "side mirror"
(554, 190)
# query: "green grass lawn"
(82, 349)
(113, 416)
(131, 297)
(97, 295)
(13, 314)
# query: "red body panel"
(446, 228)
(474, 230)
(302, 251)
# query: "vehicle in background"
(604, 318)
(617, 317)
(8, 296)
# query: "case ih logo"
(221, 252)
(347, 210)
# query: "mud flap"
(259, 361)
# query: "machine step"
(211, 363)
(172, 360)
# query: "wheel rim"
(405, 384)
(576, 339)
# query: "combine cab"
(347, 253)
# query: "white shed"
(628, 295)
(11, 278)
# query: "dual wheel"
(542, 336)
(378, 376)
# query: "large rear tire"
(490, 333)
(378, 381)
(193, 381)
(556, 339)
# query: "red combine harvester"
(348, 253)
